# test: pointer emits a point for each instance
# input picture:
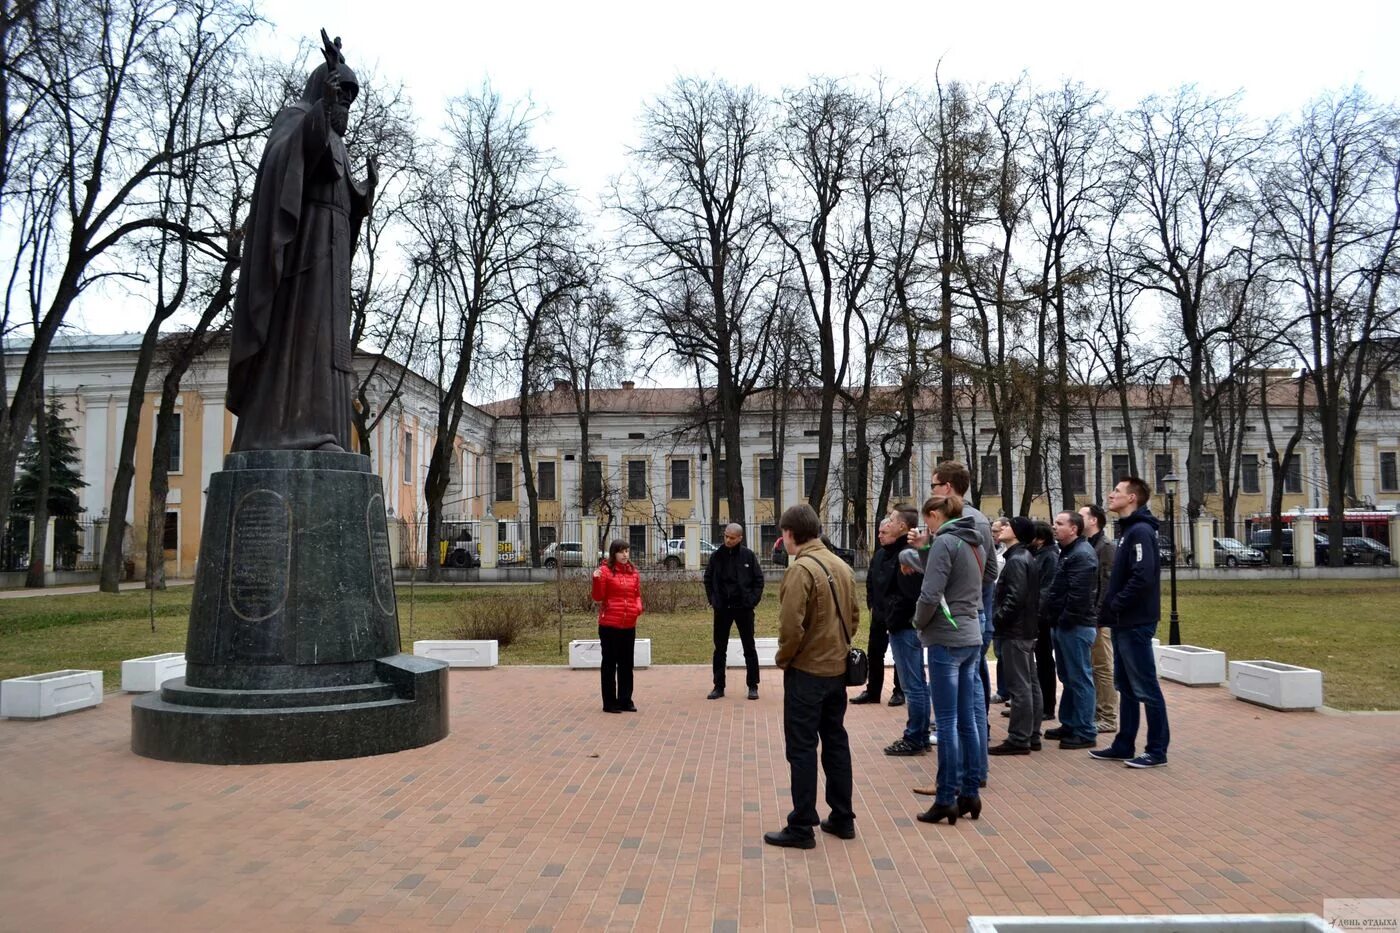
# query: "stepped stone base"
(293, 648)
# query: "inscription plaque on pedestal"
(260, 548)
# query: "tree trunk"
(39, 523)
(112, 557)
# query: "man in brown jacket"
(812, 654)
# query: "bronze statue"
(290, 379)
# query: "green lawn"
(1349, 629)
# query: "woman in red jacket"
(617, 589)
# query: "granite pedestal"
(293, 647)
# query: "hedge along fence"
(505, 617)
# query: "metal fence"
(1247, 543)
(75, 544)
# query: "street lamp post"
(1170, 481)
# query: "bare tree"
(108, 90)
(1333, 202)
(697, 238)
(1185, 162)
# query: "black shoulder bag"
(857, 664)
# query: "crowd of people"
(1066, 611)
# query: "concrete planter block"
(767, 652)
(145, 675)
(461, 653)
(40, 696)
(1276, 685)
(1244, 923)
(588, 653)
(1188, 664)
(1157, 652)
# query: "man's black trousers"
(815, 708)
(875, 650)
(743, 618)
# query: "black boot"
(865, 696)
(970, 807)
(939, 812)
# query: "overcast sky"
(590, 66)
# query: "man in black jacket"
(884, 568)
(1047, 562)
(1017, 621)
(733, 587)
(1074, 603)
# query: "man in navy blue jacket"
(1133, 606)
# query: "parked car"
(1262, 540)
(1369, 551)
(1165, 551)
(780, 556)
(1232, 552)
(567, 553)
(674, 558)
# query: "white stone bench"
(461, 653)
(1276, 685)
(767, 652)
(587, 653)
(1201, 923)
(145, 675)
(1188, 664)
(40, 696)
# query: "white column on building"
(211, 445)
(94, 441)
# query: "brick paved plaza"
(540, 812)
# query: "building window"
(636, 479)
(1078, 480)
(1120, 469)
(899, 482)
(592, 482)
(170, 538)
(809, 476)
(991, 475)
(1249, 473)
(544, 480)
(637, 541)
(767, 539)
(1035, 482)
(1208, 472)
(408, 459)
(177, 442)
(721, 478)
(767, 478)
(1293, 474)
(680, 479)
(505, 482)
(1383, 394)
(548, 535)
(678, 532)
(1162, 468)
(1389, 481)
(851, 477)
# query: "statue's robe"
(291, 382)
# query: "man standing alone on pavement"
(1134, 607)
(816, 622)
(1105, 697)
(733, 587)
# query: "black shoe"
(839, 830)
(938, 812)
(1070, 742)
(865, 696)
(1036, 745)
(790, 838)
(1108, 754)
(897, 698)
(753, 693)
(1006, 748)
(904, 747)
(1006, 712)
(970, 807)
(629, 708)
(612, 709)
(1059, 733)
(716, 694)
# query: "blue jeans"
(1135, 676)
(909, 664)
(957, 693)
(1073, 662)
